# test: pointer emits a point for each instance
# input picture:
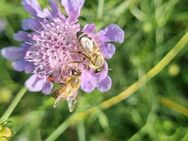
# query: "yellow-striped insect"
(91, 51)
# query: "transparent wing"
(72, 104)
(59, 95)
(58, 100)
(72, 100)
(87, 44)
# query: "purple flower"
(50, 47)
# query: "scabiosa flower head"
(51, 48)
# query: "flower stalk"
(13, 105)
(174, 106)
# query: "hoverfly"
(68, 91)
(91, 51)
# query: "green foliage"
(152, 28)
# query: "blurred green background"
(152, 28)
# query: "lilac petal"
(22, 65)
(30, 24)
(89, 28)
(89, 79)
(86, 84)
(44, 13)
(29, 68)
(35, 83)
(47, 88)
(73, 8)
(105, 84)
(108, 50)
(25, 45)
(92, 78)
(13, 53)
(33, 7)
(19, 65)
(21, 36)
(113, 33)
(55, 9)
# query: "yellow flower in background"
(5, 133)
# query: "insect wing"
(58, 100)
(59, 95)
(87, 44)
(72, 100)
(72, 104)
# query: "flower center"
(52, 46)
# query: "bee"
(68, 91)
(91, 51)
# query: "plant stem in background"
(174, 106)
(81, 131)
(100, 8)
(126, 93)
(13, 105)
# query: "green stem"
(59, 130)
(174, 106)
(126, 93)
(100, 8)
(13, 105)
(81, 131)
